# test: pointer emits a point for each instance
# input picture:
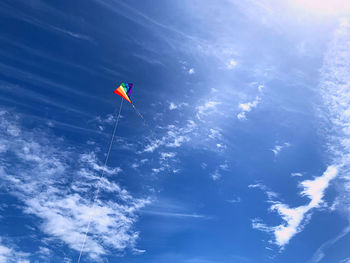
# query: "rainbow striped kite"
(124, 91)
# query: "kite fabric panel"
(124, 91)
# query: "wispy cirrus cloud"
(174, 214)
(270, 194)
(207, 108)
(217, 173)
(174, 106)
(321, 251)
(278, 148)
(296, 174)
(248, 106)
(10, 10)
(37, 80)
(51, 58)
(174, 137)
(234, 200)
(335, 92)
(11, 255)
(170, 208)
(60, 192)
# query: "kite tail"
(152, 132)
(99, 183)
(138, 113)
(145, 122)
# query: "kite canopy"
(124, 91)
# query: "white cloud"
(175, 137)
(10, 255)
(314, 189)
(214, 134)
(149, 58)
(224, 166)
(335, 91)
(186, 68)
(135, 165)
(257, 224)
(278, 148)
(44, 252)
(91, 159)
(174, 214)
(270, 195)
(231, 64)
(157, 170)
(294, 217)
(172, 106)
(220, 146)
(247, 107)
(143, 161)
(296, 174)
(177, 140)
(320, 252)
(56, 184)
(216, 174)
(241, 116)
(184, 134)
(235, 200)
(108, 119)
(153, 146)
(166, 155)
(51, 27)
(207, 108)
(137, 251)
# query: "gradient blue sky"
(250, 104)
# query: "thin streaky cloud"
(12, 89)
(321, 251)
(175, 214)
(49, 57)
(37, 80)
(17, 14)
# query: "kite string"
(100, 179)
(152, 132)
(144, 121)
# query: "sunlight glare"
(326, 7)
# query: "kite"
(124, 91)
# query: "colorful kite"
(124, 91)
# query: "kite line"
(100, 179)
(145, 122)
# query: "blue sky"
(249, 104)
